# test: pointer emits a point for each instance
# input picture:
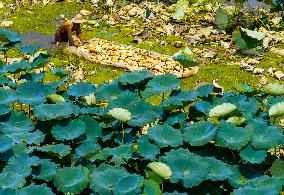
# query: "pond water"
(37, 38)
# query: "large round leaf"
(5, 143)
(93, 128)
(86, 149)
(81, 89)
(11, 180)
(151, 187)
(55, 111)
(253, 156)
(7, 96)
(135, 77)
(16, 67)
(33, 93)
(199, 134)
(278, 168)
(108, 91)
(35, 189)
(218, 170)
(47, 170)
(4, 109)
(71, 179)
(58, 149)
(17, 122)
(165, 135)
(179, 99)
(146, 149)
(9, 36)
(128, 185)
(230, 136)
(68, 131)
(35, 137)
(264, 190)
(103, 179)
(162, 84)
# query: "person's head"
(78, 19)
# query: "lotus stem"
(123, 132)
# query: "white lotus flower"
(222, 110)
(161, 169)
(120, 114)
(277, 110)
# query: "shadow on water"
(37, 38)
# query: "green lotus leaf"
(68, 130)
(58, 111)
(237, 180)
(246, 39)
(16, 67)
(120, 155)
(58, 149)
(121, 114)
(162, 84)
(204, 90)
(35, 189)
(266, 181)
(203, 107)
(103, 180)
(276, 89)
(87, 149)
(277, 110)
(33, 93)
(6, 143)
(17, 122)
(93, 128)
(243, 88)
(160, 169)
(249, 108)
(190, 169)
(35, 137)
(122, 100)
(253, 156)
(33, 77)
(4, 80)
(222, 110)
(199, 134)
(130, 184)
(175, 118)
(8, 191)
(143, 113)
(11, 180)
(135, 77)
(7, 96)
(236, 120)
(29, 49)
(81, 89)
(165, 135)
(4, 109)
(46, 171)
(146, 149)
(59, 72)
(278, 168)
(178, 99)
(21, 164)
(71, 179)
(222, 18)
(108, 91)
(266, 137)
(151, 187)
(230, 136)
(174, 193)
(9, 36)
(54, 98)
(259, 191)
(39, 58)
(218, 170)
(184, 59)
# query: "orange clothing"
(64, 32)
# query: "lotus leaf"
(35, 189)
(199, 134)
(184, 59)
(17, 122)
(237, 180)
(16, 67)
(103, 180)
(222, 110)
(161, 169)
(174, 193)
(71, 179)
(175, 118)
(120, 114)
(278, 168)
(68, 131)
(9, 36)
(33, 93)
(236, 120)
(135, 77)
(246, 42)
(11, 180)
(191, 170)
(35, 77)
(6, 143)
(127, 185)
(93, 128)
(120, 155)
(35, 137)
(81, 89)
(39, 58)
(55, 111)
(4, 109)
(7, 96)
(204, 90)
(277, 110)
(249, 108)
(276, 89)
(108, 91)
(144, 148)
(59, 72)
(232, 137)
(266, 137)
(47, 170)
(8, 191)
(263, 190)
(265, 180)
(222, 18)
(29, 49)
(4, 80)
(87, 149)
(253, 156)
(218, 170)
(54, 98)
(151, 187)
(58, 149)
(254, 34)
(243, 88)
(162, 84)
(165, 135)
(178, 99)
(122, 100)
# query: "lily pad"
(278, 168)
(58, 149)
(11, 180)
(218, 170)
(253, 156)
(47, 170)
(81, 89)
(9, 36)
(146, 149)
(7, 96)
(135, 77)
(130, 184)
(6, 143)
(35, 189)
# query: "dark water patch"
(37, 38)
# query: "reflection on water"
(37, 38)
